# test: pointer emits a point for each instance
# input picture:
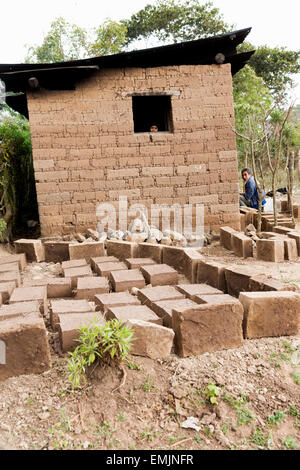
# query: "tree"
(18, 201)
(67, 41)
(276, 66)
(173, 21)
(251, 98)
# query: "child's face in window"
(153, 129)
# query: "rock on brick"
(26, 294)
(153, 294)
(75, 273)
(209, 327)
(115, 299)
(150, 250)
(33, 249)
(159, 274)
(225, 237)
(61, 307)
(133, 312)
(87, 287)
(125, 280)
(270, 250)
(26, 346)
(241, 245)
(69, 324)
(150, 340)
(163, 309)
(56, 251)
(86, 250)
(270, 314)
(212, 273)
(122, 249)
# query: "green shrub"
(109, 343)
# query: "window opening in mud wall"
(150, 111)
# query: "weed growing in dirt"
(212, 392)
(133, 365)
(110, 342)
(290, 443)
(276, 418)
(293, 411)
(121, 417)
(296, 377)
(244, 416)
(260, 439)
(148, 384)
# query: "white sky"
(274, 22)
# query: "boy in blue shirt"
(250, 197)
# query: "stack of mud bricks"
(237, 242)
(98, 157)
(23, 337)
(295, 208)
(277, 246)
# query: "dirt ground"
(256, 388)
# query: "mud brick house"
(90, 122)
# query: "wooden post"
(291, 164)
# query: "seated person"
(250, 197)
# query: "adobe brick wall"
(86, 152)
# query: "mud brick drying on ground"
(115, 299)
(88, 287)
(208, 327)
(26, 345)
(159, 274)
(133, 312)
(270, 313)
(153, 294)
(126, 280)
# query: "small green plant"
(287, 346)
(110, 342)
(258, 438)
(133, 365)
(148, 384)
(293, 411)
(244, 416)
(212, 392)
(121, 417)
(296, 377)
(197, 439)
(290, 443)
(276, 418)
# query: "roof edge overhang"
(64, 75)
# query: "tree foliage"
(66, 41)
(18, 201)
(173, 21)
(276, 66)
